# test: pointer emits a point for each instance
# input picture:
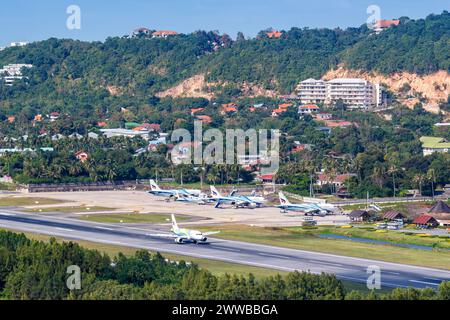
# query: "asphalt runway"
(284, 259)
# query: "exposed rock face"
(194, 87)
(198, 87)
(114, 91)
(434, 88)
(431, 89)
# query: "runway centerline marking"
(231, 250)
(325, 263)
(272, 255)
(104, 228)
(425, 282)
(64, 229)
(434, 279)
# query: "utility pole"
(367, 203)
(393, 180)
(201, 177)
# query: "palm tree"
(419, 178)
(431, 175)
(377, 175)
(392, 170)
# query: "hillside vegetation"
(70, 73)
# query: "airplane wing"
(211, 233)
(166, 235)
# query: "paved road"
(347, 268)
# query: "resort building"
(355, 93)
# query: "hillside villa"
(432, 145)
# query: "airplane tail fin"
(154, 186)
(233, 193)
(283, 199)
(174, 223)
(214, 192)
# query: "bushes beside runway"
(39, 270)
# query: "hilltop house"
(274, 34)
(54, 116)
(164, 34)
(322, 116)
(82, 156)
(432, 145)
(281, 109)
(228, 108)
(338, 181)
(382, 25)
(308, 109)
(141, 31)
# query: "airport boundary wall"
(142, 185)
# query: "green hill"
(74, 76)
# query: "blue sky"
(25, 20)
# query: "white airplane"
(307, 208)
(157, 191)
(185, 235)
(236, 201)
(253, 197)
(201, 200)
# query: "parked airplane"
(185, 235)
(157, 191)
(307, 208)
(202, 200)
(236, 201)
(253, 197)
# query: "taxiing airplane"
(236, 201)
(307, 208)
(157, 191)
(185, 235)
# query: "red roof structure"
(424, 219)
(392, 215)
(164, 33)
(387, 23)
(194, 111)
(274, 34)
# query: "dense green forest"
(38, 271)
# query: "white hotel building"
(13, 72)
(356, 93)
